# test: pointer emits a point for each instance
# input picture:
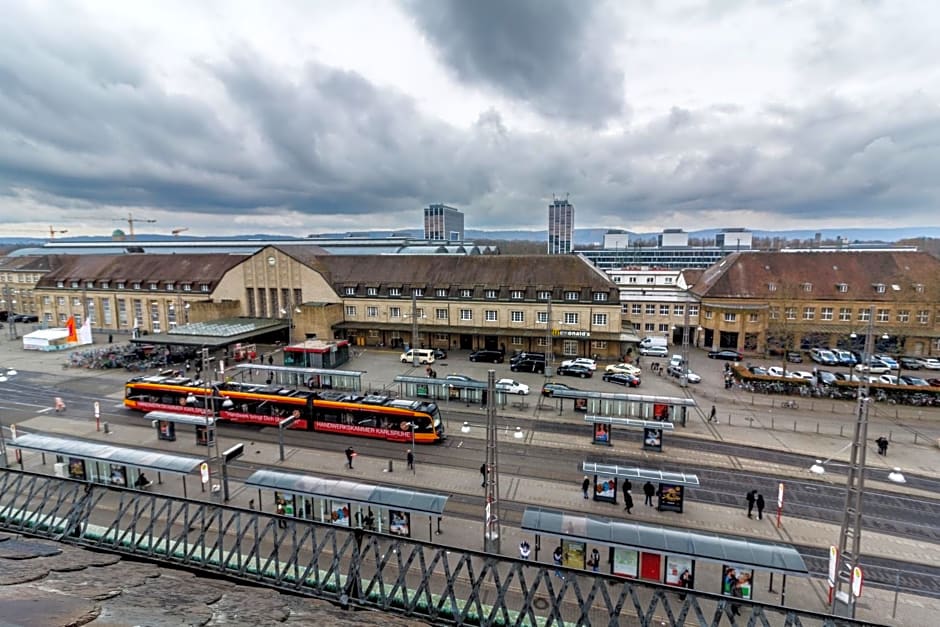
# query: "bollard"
(889, 437)
(390, 466)
(771, 423)
(817, 428)
(107, 427)
(840, 430)
(915, 437)
(794, 426)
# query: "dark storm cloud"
(555, 55)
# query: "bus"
(373, 415)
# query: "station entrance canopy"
(217, 333)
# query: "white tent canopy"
(46, 340)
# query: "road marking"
(42, 411)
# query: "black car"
(910, 363)
(25, 318)
(576, 370)
(491, 356)
(528, 365)
(440, 353)
(726, 354)
(527, 356)
(622, 378)
(549, 389)
(757, 370)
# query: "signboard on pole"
(97, 410)
(779, 503)
(833, 564)
(204, 472)
(857, 580)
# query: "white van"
(649, 342)
(424, 356)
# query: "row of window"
(845, 314)
(649, 280)
(650, 309)
(466, 315)
(155, 313)
(490, 294)
(135, 285)
(12, 277)
(879, 288)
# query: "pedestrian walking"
(637, 361)
(270, 360)
(585, 486)
(251, 504)
(882, 443)
(410, 457)
(556, 558)
(648, 491)
(595, 560)
(524, 549)
(713, 415)
(760, 507)
(750, 498)
(110, 338)
(350, 453)
(483, 472)
(628, 502)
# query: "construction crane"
(130, 223)
(52, 232)
(176, 232)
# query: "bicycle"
(791, 404)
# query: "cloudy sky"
(234, 117)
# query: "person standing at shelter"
(524, 549)
(483, 472)
(556, 558)
(648, 491)
(585, 486)
(595, 561)
(751, 498)
(411, 460)
(628, 501)
(350, 453)
(760, 507)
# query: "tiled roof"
(34, 263)
(751, 275)
(196, 268)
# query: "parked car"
(581, 361)
(892, 363)
(910, 363)
(421, 355)
(890, 379)
(841, 376)
(930, 363)
(622, 378)
(25, 318)
(802, 374)
(440, 353)
(846, 358)
(934, 381)
(550, 388)
(528, 365)
(794, 357)
(576, 370)
(875, 367)
(823, 356)
(911, 380)
(654, 351)
(492, 356)
(826, 377)
(511, 386)
(678, 371)
(776, 371)
(757, 370)
(726, 354)
(527, 355)
(627, 368)
(461, 377)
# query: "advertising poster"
(580, 404)
(661, 412)
(737, 581)
(601, 433)
(118, 475)
(399, 523)
(652, 439)
(166, 430)
(573, 554)
(671, 497)
(339, 513)
(605, 489)
(205, 436)
(76, 468)
(421, 389)
(680, 571)
(626, 562)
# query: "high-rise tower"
(443, 223)
(560, 226)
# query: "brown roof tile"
(176, 268)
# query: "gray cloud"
(554, 55)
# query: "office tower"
(560, 226)
(443, 223)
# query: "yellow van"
(423, 355)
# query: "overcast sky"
(237, 117)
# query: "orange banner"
(70, 324)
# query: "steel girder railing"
(354, 567)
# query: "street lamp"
(3, 445)
(289, 312)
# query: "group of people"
(882, 443)
(432, 373)
(754, 498)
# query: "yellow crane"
(130, 223)
(176, 232)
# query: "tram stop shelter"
(217, 334)
(672, 409)
(348, 503)
(297, 378)
(670, 489)
(165, 423)
(444, 389)
(103, 463)
(602, 431)
(666, 555)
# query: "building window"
(845, 314)
(842, 287)
(153, 285)
(570, 318)
(679, 310)
(517, 316)
(350, 291)
(904, 315)
(187, 287)
(105, 285)
(169, 287)
(668, 280)
(122, 312)
(543, 342)
(919, 288)
(440, 293)
(419, 312)
(372, 291)
(753, 317)
(136, 285)
(649, 326)
(636, 309)
(466, 293)
(441, 337)
(350, 310)
(76, 302)
(790, 313)
(544, 295)
(883, 315)
(60, 283)
(417, 291)
(864, 314)
(809, 313)
(440, 314)
(631, 279)
(774, 313)
(936, 344)
(708, 314)
(599, 319)
(664, 328)
(74, 284)
(90, 308)
(154, 317)
(693, 310)
(541, 317)
(730, 316)
(599, 344)
(826, 313)
(517, 294)
(394, 312)
(394, 291)
(879, 288)
(650, 310)
(490, 294)
(491, 315)
(569, 348)
(517, 340)
(204, 287)
(600, 297)
(466, 314)
(372, 312)
(664, 310)
(807, 287)
(771, 287)
(618, 279)
(571, 295)
(923, 316)
(650, 280)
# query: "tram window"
(330, 416)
